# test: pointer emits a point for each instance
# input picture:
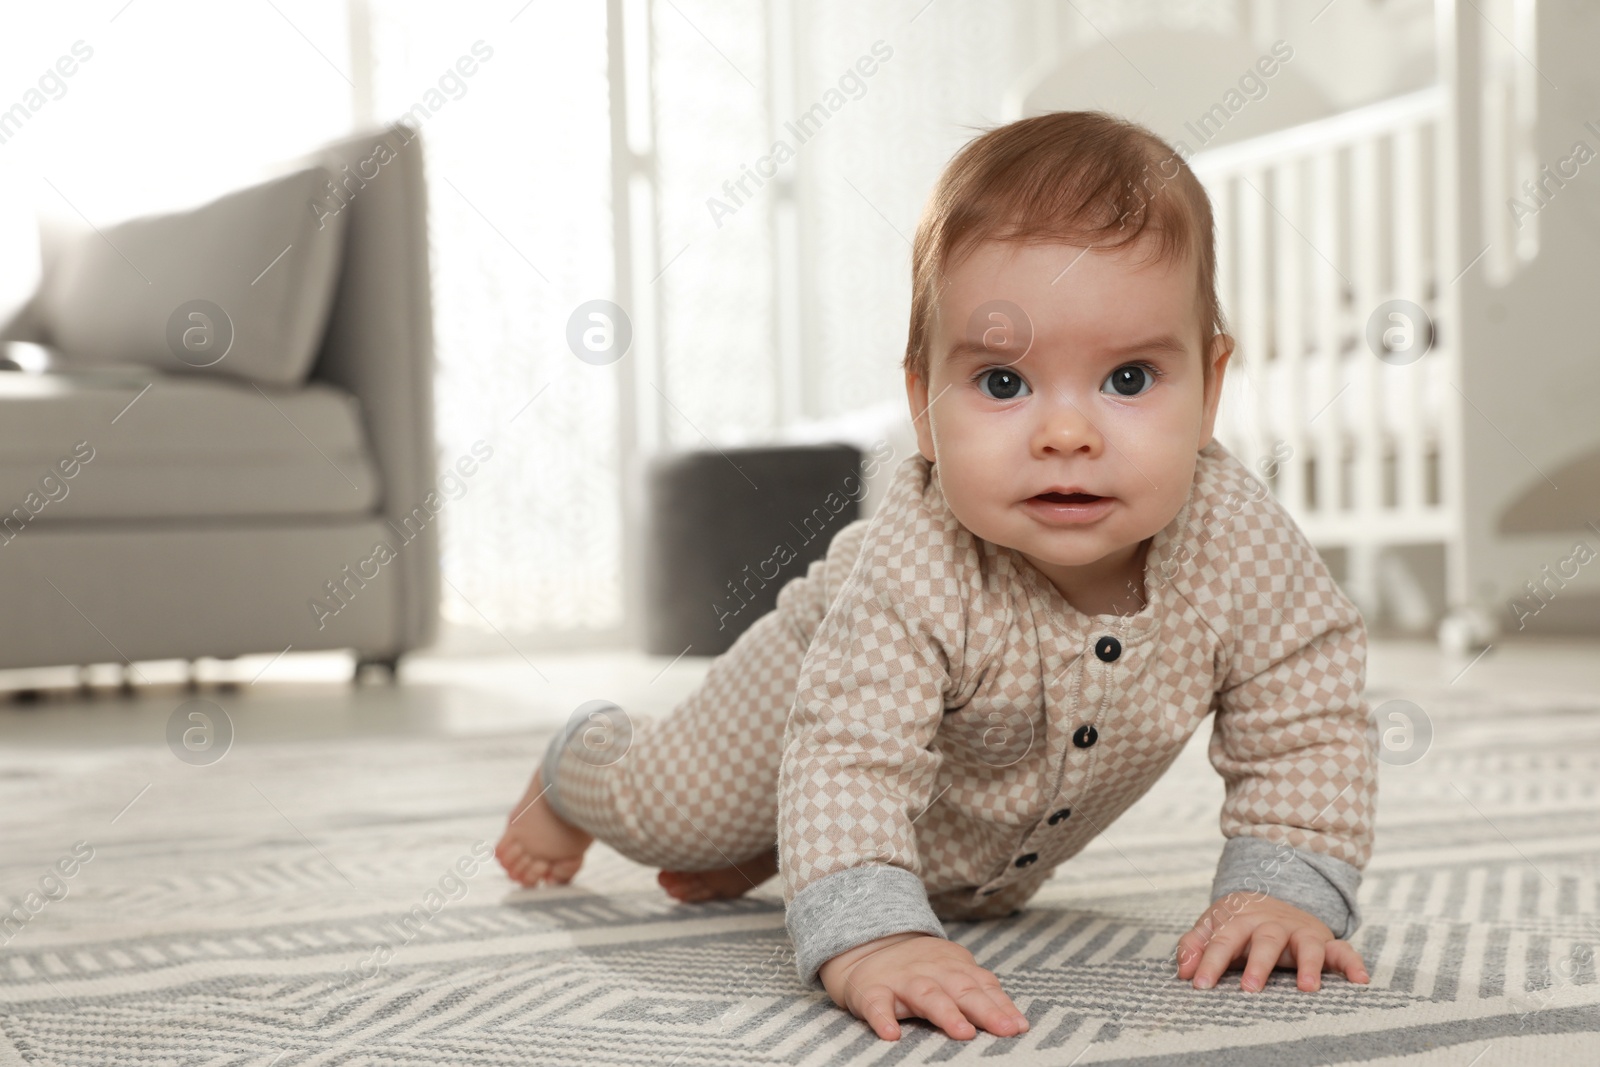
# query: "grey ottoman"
(728, 529)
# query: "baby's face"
(1106, 396)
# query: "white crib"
(1475, 455)
(1317, 227)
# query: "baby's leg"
(538, 845)
(695, 793)
(697, 789)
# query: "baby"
(1053, 595)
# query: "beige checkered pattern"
(913, 700)
(697, 789)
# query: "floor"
(308, 696)
(235, 911)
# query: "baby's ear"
(1216, 356)
(921, 419)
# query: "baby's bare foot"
(721, 884)
(538, 845)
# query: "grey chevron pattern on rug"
(295, 904)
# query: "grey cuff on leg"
(552, 758)
(608, 734)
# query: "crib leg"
(1363, 581)
(1467, 630)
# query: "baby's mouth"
(1068, 498)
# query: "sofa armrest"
(379, 347)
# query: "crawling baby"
(1068, 578)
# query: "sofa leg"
(126, 687)
(191, 682)
(230, 682)
(389, 664)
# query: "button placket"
(1075, 700)
(1107, 649)
(1076, 629)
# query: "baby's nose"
(1063, 426)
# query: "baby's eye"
(1133, 379)
(1008, 384)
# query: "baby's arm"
(857, 771)
(1294, 743)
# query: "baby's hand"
(915, 974)
(1273, 934)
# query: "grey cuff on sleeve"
(1314, 882)
(850, 908)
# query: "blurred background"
(737, 187)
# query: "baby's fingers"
(927, 999)
(1220, 951)
(1342, 956)
(1309, 953)
(1190, 946)
(1266, 945)
(877, 1006)
(991, 1009)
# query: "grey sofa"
(208, 515)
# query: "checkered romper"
(926, 727)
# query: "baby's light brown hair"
(1085, 177)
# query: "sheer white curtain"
(518, 162)
(771, 287)
(788, 302)
(167, 100)
(774, 284)
(171, 101)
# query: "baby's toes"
(510, 855)
(533, 872)
(563, 871)
(520, 866)
(683, 886)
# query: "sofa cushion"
(130, 443)
(239, 287)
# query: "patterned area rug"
(326, 903)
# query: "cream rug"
(325, 903)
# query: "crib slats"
(1222, 220)
(1409, 229)
(1365, 469)
(1317, 226)
(1252, 313)
(1288, 325)
(1229, 422)
(1444, 431)
(1367, 248)
(1328, 200)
